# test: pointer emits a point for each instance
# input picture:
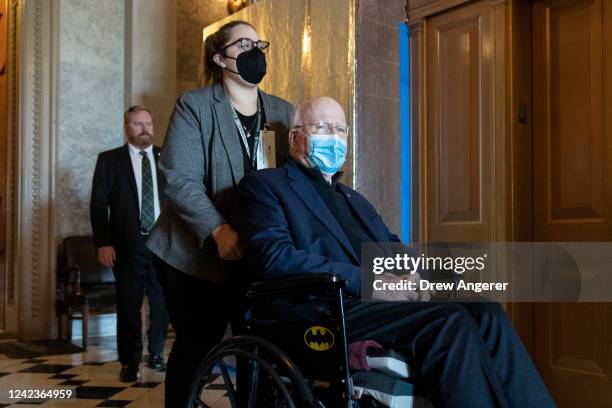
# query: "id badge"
(266, 154)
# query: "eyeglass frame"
(253, 44)
(331, 129)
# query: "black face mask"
(251, 65)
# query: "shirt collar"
(136, 150)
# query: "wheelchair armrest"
(297, 283)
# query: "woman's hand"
(227, 242)
(107, 256)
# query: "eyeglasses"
(247, 44)
(325, 128)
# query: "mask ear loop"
(306, 155)
(227, 56)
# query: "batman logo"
(319, 338)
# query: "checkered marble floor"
(94, 377)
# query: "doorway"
(572, 185)
(3, 148)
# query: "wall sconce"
(235, 5)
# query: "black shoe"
(156, 362)
(128, 374)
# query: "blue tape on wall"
(405, 141)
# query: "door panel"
(3, 144)
(459, 136)
(572, 162)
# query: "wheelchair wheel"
(265, 377)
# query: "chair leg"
(69, 325)
(85, 318)
(60, 326)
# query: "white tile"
(12, 366)
(131, 393)
(70, 403)
(222, 403)
(106, 383)
(152, 399)
(108, 372)
(24, 381)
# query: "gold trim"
(352, 70)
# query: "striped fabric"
(147, 205)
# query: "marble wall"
(134, 52)
(113, 54)
(150, 59)
(192, 16)
(377, 106)
(90, 102)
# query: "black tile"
(149, 384)
(47, 368)
(103, 393)
(113, 403)
(62, 376)
(74, 382)
(2, 375)
(37, 349)
(215, 387)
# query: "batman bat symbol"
(319, 338)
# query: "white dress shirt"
(137, 166)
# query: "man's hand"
(424, 295)
(402, 295)
(107, 256)
(227, 242)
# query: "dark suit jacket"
(202, 164)
(114, 209)
(286, 228)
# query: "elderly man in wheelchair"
(309, 341)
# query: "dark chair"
(84, 285)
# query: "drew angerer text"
(423, 284)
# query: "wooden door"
(572, 164)
(459, 141)
(3, 144)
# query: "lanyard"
(243, 134)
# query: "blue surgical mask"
(327, 152)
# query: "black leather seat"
(84, 285)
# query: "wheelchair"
(291, 352)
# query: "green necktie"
(147, 205)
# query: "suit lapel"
(273, 115)
(300, 184)
(228, 132)
(360, 213)
(126, 162)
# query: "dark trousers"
(465, 354)
(199, 312)
(134, 276)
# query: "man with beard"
(125, 202)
